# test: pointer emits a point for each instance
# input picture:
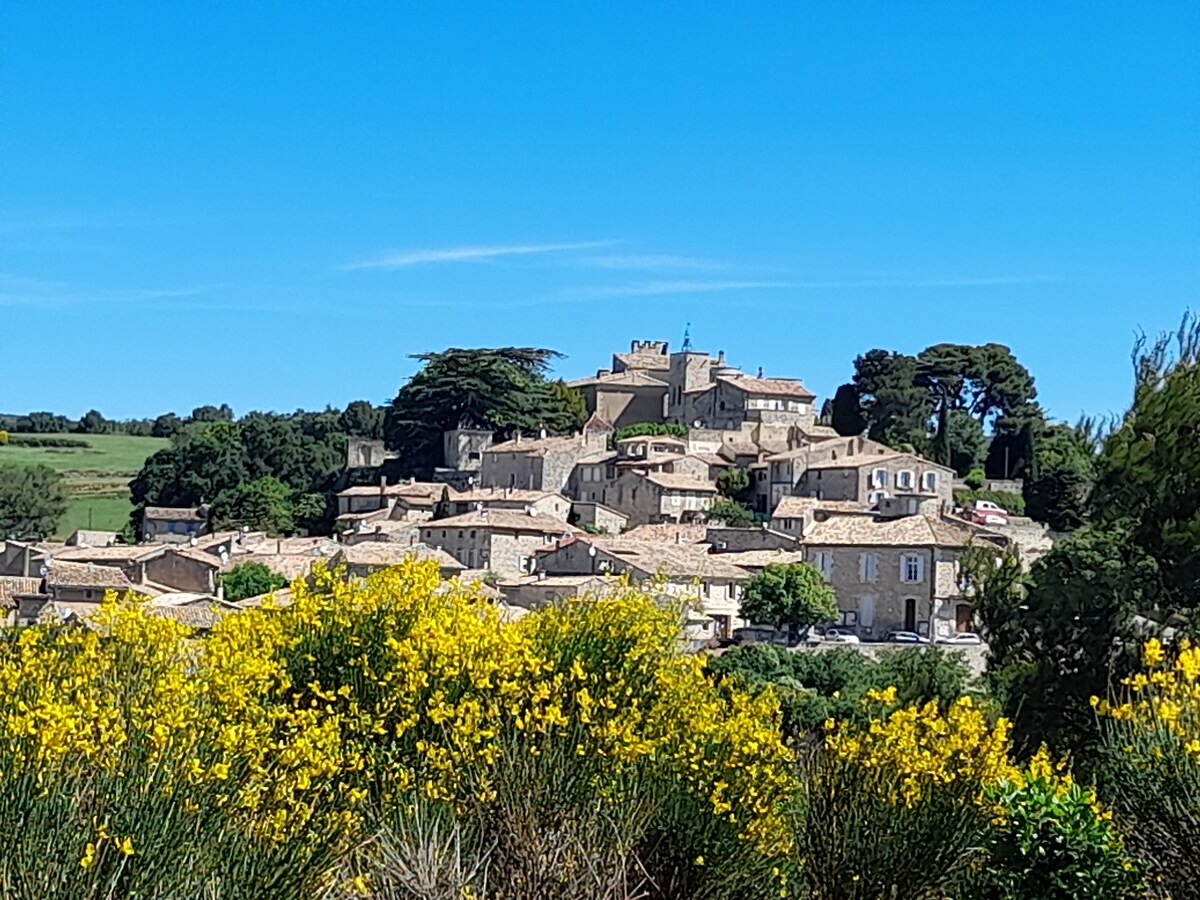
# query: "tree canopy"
(32, 501)
(789, 595)
(250, 579)
(501, 389)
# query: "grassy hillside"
(98, 476)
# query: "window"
(866, 612)
(761, 475)
(88, 595)
(876, 496)
(879, 478)
(586, 475)
(867, 567)
(825, 563)
(460, 534)
(707, 589)
(904, 480)
(472, 533)
(512, 479)
(912, 568)
(473, 455)
(443, 534)
(732, 591)
(929, 481)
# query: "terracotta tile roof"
(687, 534)
(173, 513)
(399, 489)
(115, 555)
(774, 387)
(632, 377)
(503, 520)
(710, 459)
(758, 559)
(796, 507)
(672, 560)
(515, 495)
(540, 446)
(862, 460)
(11, 586)
(673, 482)
(381, 553)
(86, 575)
(201, 617)
(868, 531)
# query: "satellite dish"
(146, 537)
(192, 541)
(592, 550)
(44, 571)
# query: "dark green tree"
(639, 429)
(93, 423)
(166, 426)
(441, 509)
(43, 423)
(1057, 495)
(362, 419)
(896, 408)
(1067, 631)
(264, 504)
(732, 513)
(1148, 479)
(202, 461)
(503, 389)
(33, 500)
(734, 484)
(1012, 452)
(789, 595)
(222, 413)
(966, 440)
(250, 579)
(846, 413)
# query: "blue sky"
(272, 204)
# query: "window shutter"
(920, 568)
(862, 567)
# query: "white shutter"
(862, 567)
(920, 569)
(866, 612)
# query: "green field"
(97, 476)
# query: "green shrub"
(41, 440)
(976, 479)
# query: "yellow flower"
(125, 845)
(89, 856)
(1152, 653)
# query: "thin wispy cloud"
(481, 253)
(651, 262)
(33, 292)
(927, 282)
(665, 287)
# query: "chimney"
(542, 433)
(678, 538)
(517, 435)
(382, 485)
(278, 546)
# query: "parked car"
(985, 512)
(841, 636)
(963, 637)
(905, 637)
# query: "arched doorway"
(910, 614)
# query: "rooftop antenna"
(687, 337)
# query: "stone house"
(544, 463)
(498, 540)
(711, 585)
(544, 503)
(794, 516)
(624, 398)
(894, 574)
(171, 524)
(786, 469)
(161, 568)
(654, 497)
(360, 560)
(586, 513)
(871, 477)
(645, 356)
(79, 587)
(728, 539)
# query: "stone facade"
(462, 448)
(626, 398)
(540, 464)
(499, 541)
(873, 476)
(586, 513)
(651, 498)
